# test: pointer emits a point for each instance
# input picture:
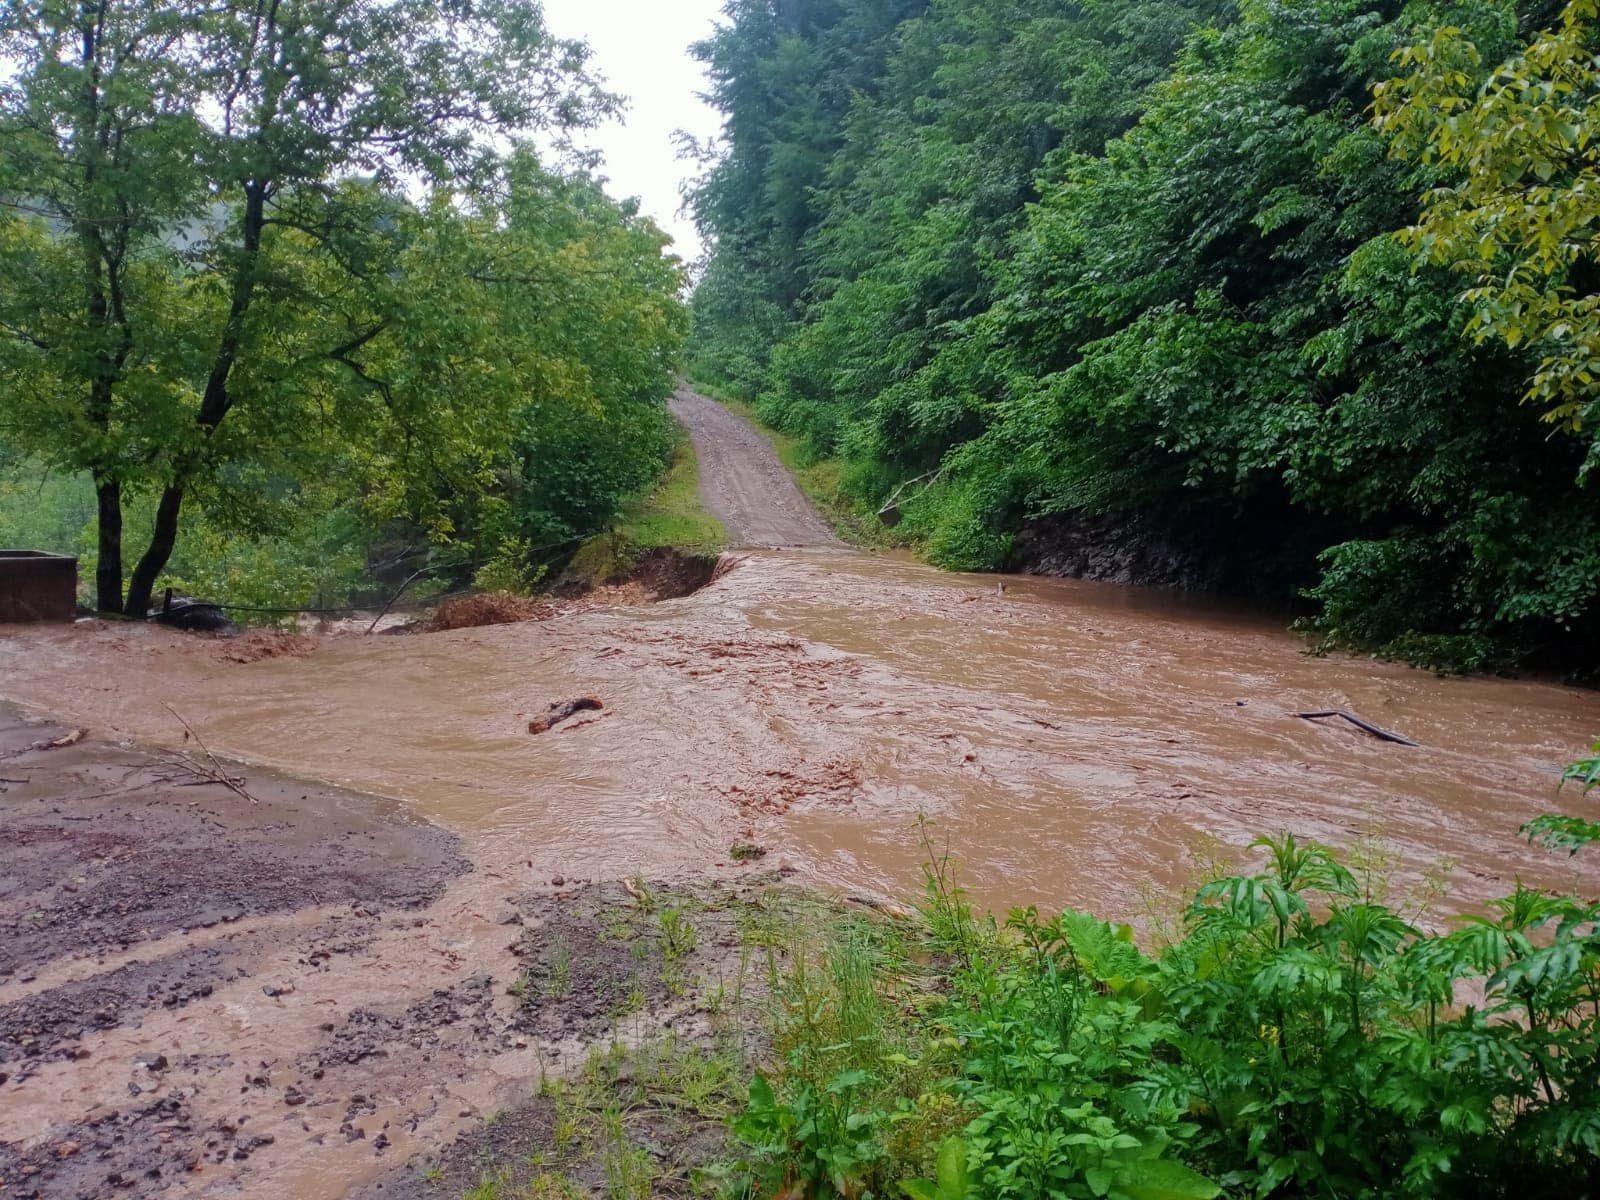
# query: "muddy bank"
(107, 847)
(350, 1046)
(649, 997)
(153, 919)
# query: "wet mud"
(280, 989)
(149, 913)
(108, 847)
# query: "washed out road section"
(1076, 741)
(742, 483)
(287, 995)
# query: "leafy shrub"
(1300, 1037)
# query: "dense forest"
(290, 290)
(1182, 292)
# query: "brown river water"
(1077, 743)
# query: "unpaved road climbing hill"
(742, 483)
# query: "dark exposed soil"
(108, 846)
(588, 958)
(1113, 550)
(503, 1150)
(666, 574)
(372, 1033)
(650, 954)
(241, 893)
(52, 1024)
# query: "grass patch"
(672, 515)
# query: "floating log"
(560, 712)
(1367, 726)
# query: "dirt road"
(742, 482)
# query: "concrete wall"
(35, 586)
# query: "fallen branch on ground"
(71, 738)
(211, 771)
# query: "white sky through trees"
(641, 47)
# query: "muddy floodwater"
(1077, 743)
(232, 981)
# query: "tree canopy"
(262, 246)
(1137, 286)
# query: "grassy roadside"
(671, 517)
(818, 478)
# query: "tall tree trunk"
(108, 523)
(163, 537)
(104, 245)
(214, 403)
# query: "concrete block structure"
(37, 586)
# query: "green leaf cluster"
(1142, 270)
(1298, 1036)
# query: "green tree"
(1519, 206)
(186, 180)
(1122, 281)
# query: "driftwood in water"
(1383, 734)
(560, 712)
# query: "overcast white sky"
(641, 47)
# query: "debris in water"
(71, 738)
(488, 608)
(559, 712)
(267, 643)
(1382, 734)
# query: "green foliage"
(672, 514)
(1138, 264)
(257, 257)
(1300, 1038)
(1561, 831)
(1520, 199)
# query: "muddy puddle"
(1074, 741)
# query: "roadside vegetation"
(1297, 1033)
(1292, 1027)
(1295, 299)
(672, 515)
(290, 306)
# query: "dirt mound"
(267, 643)
(488, 608)
(662, 574)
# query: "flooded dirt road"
(1075, 740)
(1077, 743)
